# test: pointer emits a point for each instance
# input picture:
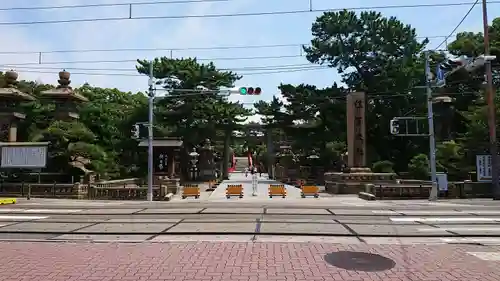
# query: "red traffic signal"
(250, 91)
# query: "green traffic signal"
(243, 91)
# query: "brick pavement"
(234, 261)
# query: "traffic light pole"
(432, 140)
(151, 97)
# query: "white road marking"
(52, 211)
(469, 228)
(5, 210)
(6, 217)
(486, 212)
(486, 256)
(439, 219)
(482, 240)
(384, 212)
(442, 213)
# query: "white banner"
(30, 157)
(483, 168)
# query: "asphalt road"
(347, 219)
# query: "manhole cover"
(359, 261)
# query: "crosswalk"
(13, 214)
(18, 218)
(445, 219)
(39, 211)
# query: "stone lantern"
(65, 98)
(10, 99)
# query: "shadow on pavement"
(359, 261)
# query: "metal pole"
(491, 108)
(150, 133)
(432, 141)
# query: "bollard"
(29, 192)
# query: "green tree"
(385, 57)
(449, 155)
(70, 143)
(195, 117)
(110, 115)
(383, 167)
(192, 116)
(418, 167)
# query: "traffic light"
(135, 131)
(394, 124)
(250, 91)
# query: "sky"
(181, 33)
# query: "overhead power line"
(109, 5)
(130, 15)
(289, 70)
(241, 68)
(458, 25)
(214, 48)
(245, 71)
(135, 60)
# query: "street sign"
(24, 155)
(483, 168)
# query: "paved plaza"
(219, 194)
(245, 261)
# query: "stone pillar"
(206, 164)
(171, 164)
(356, 130)
(226, 154)
(13, 132)
(270, 152)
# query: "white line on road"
(384, 212)
(485, 240)
(468, 228)
(435, 213)
(52, 211)
(486, 212)
(440, 219)
(6, 217)
(5, 210)
(62, 211)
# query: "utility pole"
(432, 141)
(151, 96)
(490, 93)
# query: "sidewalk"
(244, 261)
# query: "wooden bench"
(234, 190)
(191, 190)
(277, 190)
(309, 190)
